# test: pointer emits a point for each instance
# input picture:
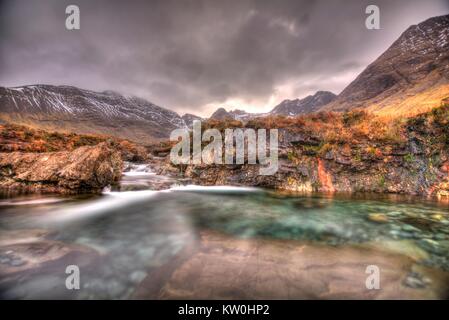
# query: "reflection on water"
(121, 238)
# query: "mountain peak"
(68, 108)
(189, 118)
(411, 76)
(309, 104)
(221, 114)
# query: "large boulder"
(85, 169)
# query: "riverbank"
(38, 161)
(341, 152)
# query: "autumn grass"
(21, 138)
(339, 128)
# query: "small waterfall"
(140, 176)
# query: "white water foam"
(138, 170)
(30, 202)
(109, 201)
(197, 188)
(138, 173)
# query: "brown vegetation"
(21, 138)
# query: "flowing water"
(140, 243)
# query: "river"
(221, 242)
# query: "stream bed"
(221, 242)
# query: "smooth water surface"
(118, 239)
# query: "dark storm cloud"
(188, 55)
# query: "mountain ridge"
(411, 76)
(310, 103)
(68, 108)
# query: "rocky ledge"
(343, 152)
(85, 169)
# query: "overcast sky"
(194, 56)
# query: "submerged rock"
(223, 267)
(378, 217)
(86, 169)
(416, 281)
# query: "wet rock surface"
(229, 268)
(27, 253)
(86, 169)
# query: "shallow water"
(120, 238)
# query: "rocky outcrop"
(412, 159)
(86, 169)
(336, 171)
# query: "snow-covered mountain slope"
(66, 108)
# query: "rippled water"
(119, 238)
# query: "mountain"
(70, 109)
(189, 118)
(294, 107)
(221, 114)
(411, 76)
(244, 116)
(302, 106)
(236, 114)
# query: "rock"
(416, 281)
(440, 236)
(430, 245)
(222, 267)
(394, 214)
(86, 169)
(409, 228)
(132, 152)
(343, 160)
(378, 217)
(329, 155)
(416, 146)
(438, 217)
(31, 257)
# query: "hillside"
(18, 138)
(70, 109)
(410, 77)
